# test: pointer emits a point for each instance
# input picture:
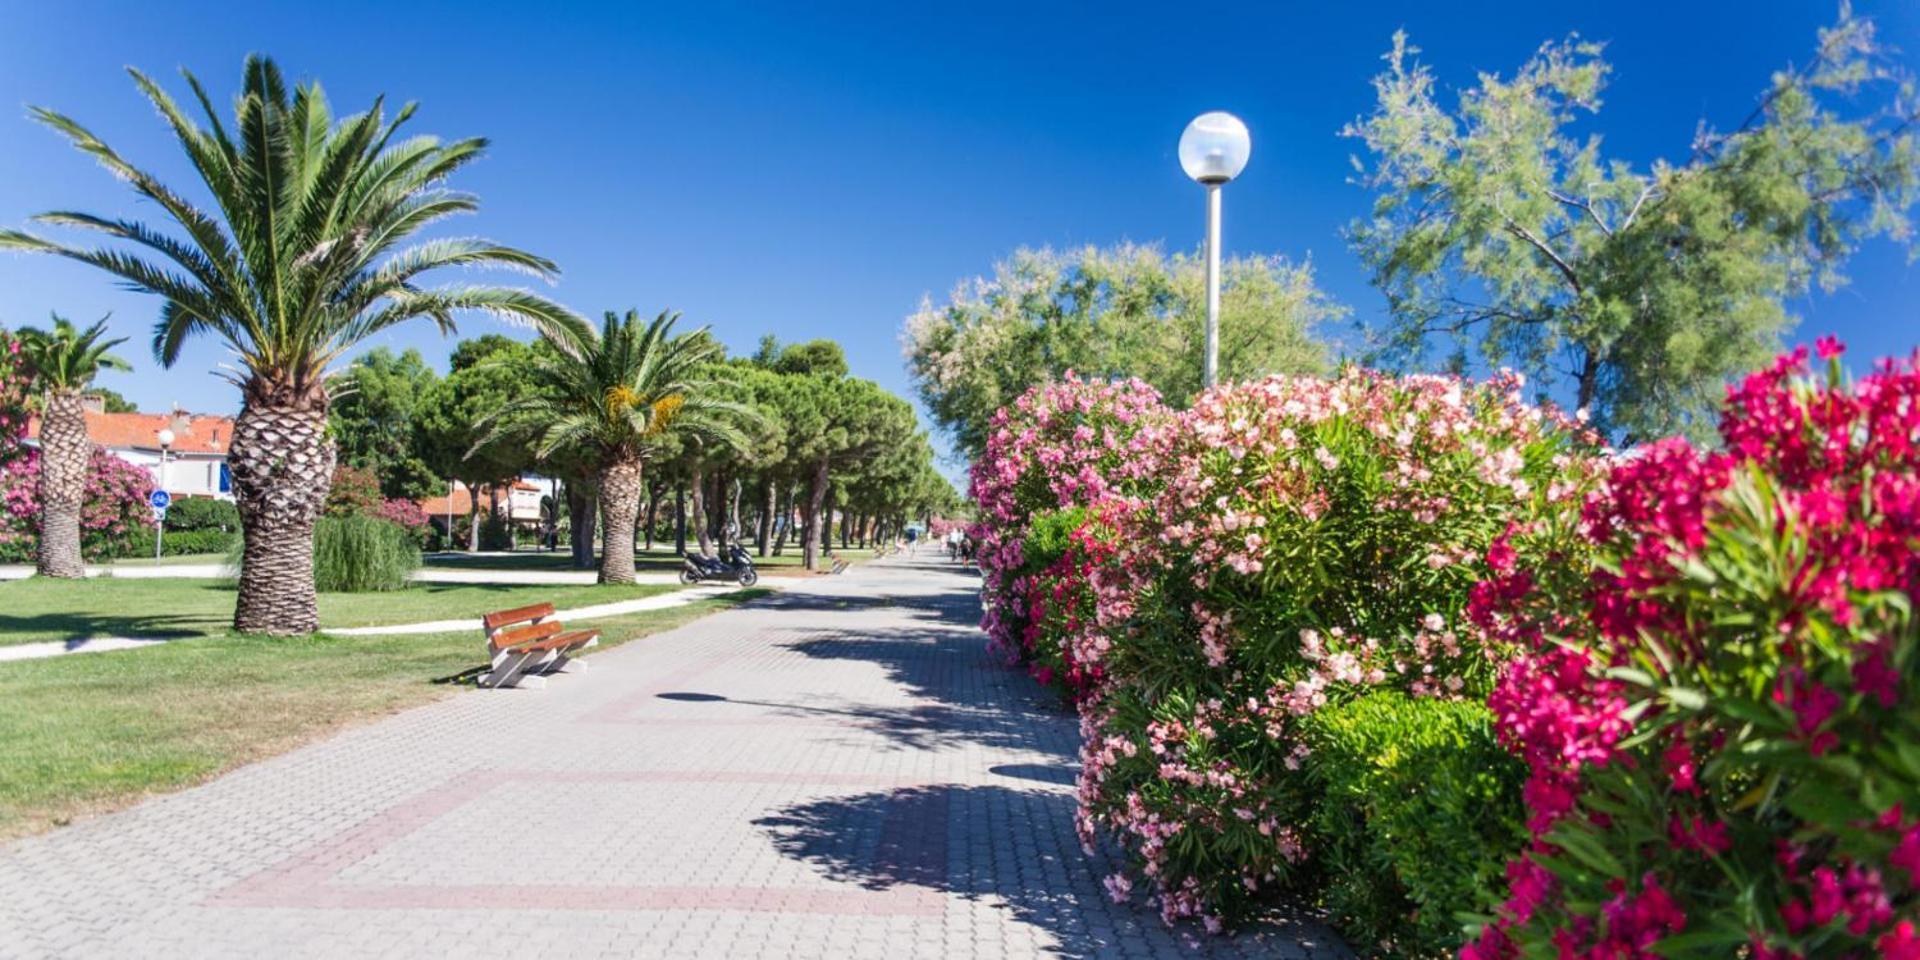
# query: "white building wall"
(187, 475)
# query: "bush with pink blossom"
(407, 514)
(1721, 727)
(1204, 583)
(16, 387)
(1308, 541)
(1061, 446)
(112, 518)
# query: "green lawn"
(41, 609)
(93, 732)
(182, 558)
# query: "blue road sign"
(159, 499)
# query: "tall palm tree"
(63, 362)
(611, 398)
(306, 254)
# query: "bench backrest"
(505, 618)
(521, 624)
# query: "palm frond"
(308, 248)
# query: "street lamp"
(160, 520)
(1214, 150)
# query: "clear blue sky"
(815, 171)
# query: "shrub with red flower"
(1061, 446)
(407, 514)
(1721, 725)
(115, 506)
(353, 491)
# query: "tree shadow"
(969, 694)
(75, 628)
(1014, 848)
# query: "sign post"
(159, 500)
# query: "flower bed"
(111, 518)
(1412, 650)
(1060, 447)
(1722, 737)
(1285, 546)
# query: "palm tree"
(611, 399)
(63, 361)
(306, 254)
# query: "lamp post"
(1214, 150)
(160, 521)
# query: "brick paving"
(837, 771)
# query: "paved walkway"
(836, 771)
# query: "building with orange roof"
(518, 503)
(196, 463)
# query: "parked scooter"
(733, 564)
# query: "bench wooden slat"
(521, 635)
(563, 640)
(493, 621)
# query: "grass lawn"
(94, 732)
(181, 558)
(40, 609)
(657, 560)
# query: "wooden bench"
(526, 645)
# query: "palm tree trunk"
(621, 484)
(282, 464)
(815, 532)
(64, 452)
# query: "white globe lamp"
(1213, 150)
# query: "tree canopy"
(1106, 312)
(448, 417)
(1501, 227)
(374, 405)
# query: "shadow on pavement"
(1012, 846)
(969, 696)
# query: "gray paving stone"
(838, 771)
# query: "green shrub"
(495, 533)
(359, 554)
(1048, 536)
(179, 542)
(200, 513)
(1419, 809)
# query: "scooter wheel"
(749, 577)
(688, 576)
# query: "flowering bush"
(1721, 727)
(1060, 446)
(939, 527)
(15, 389)
(353, 492)
(1214, 578)
(407, 514)
(114, 513)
